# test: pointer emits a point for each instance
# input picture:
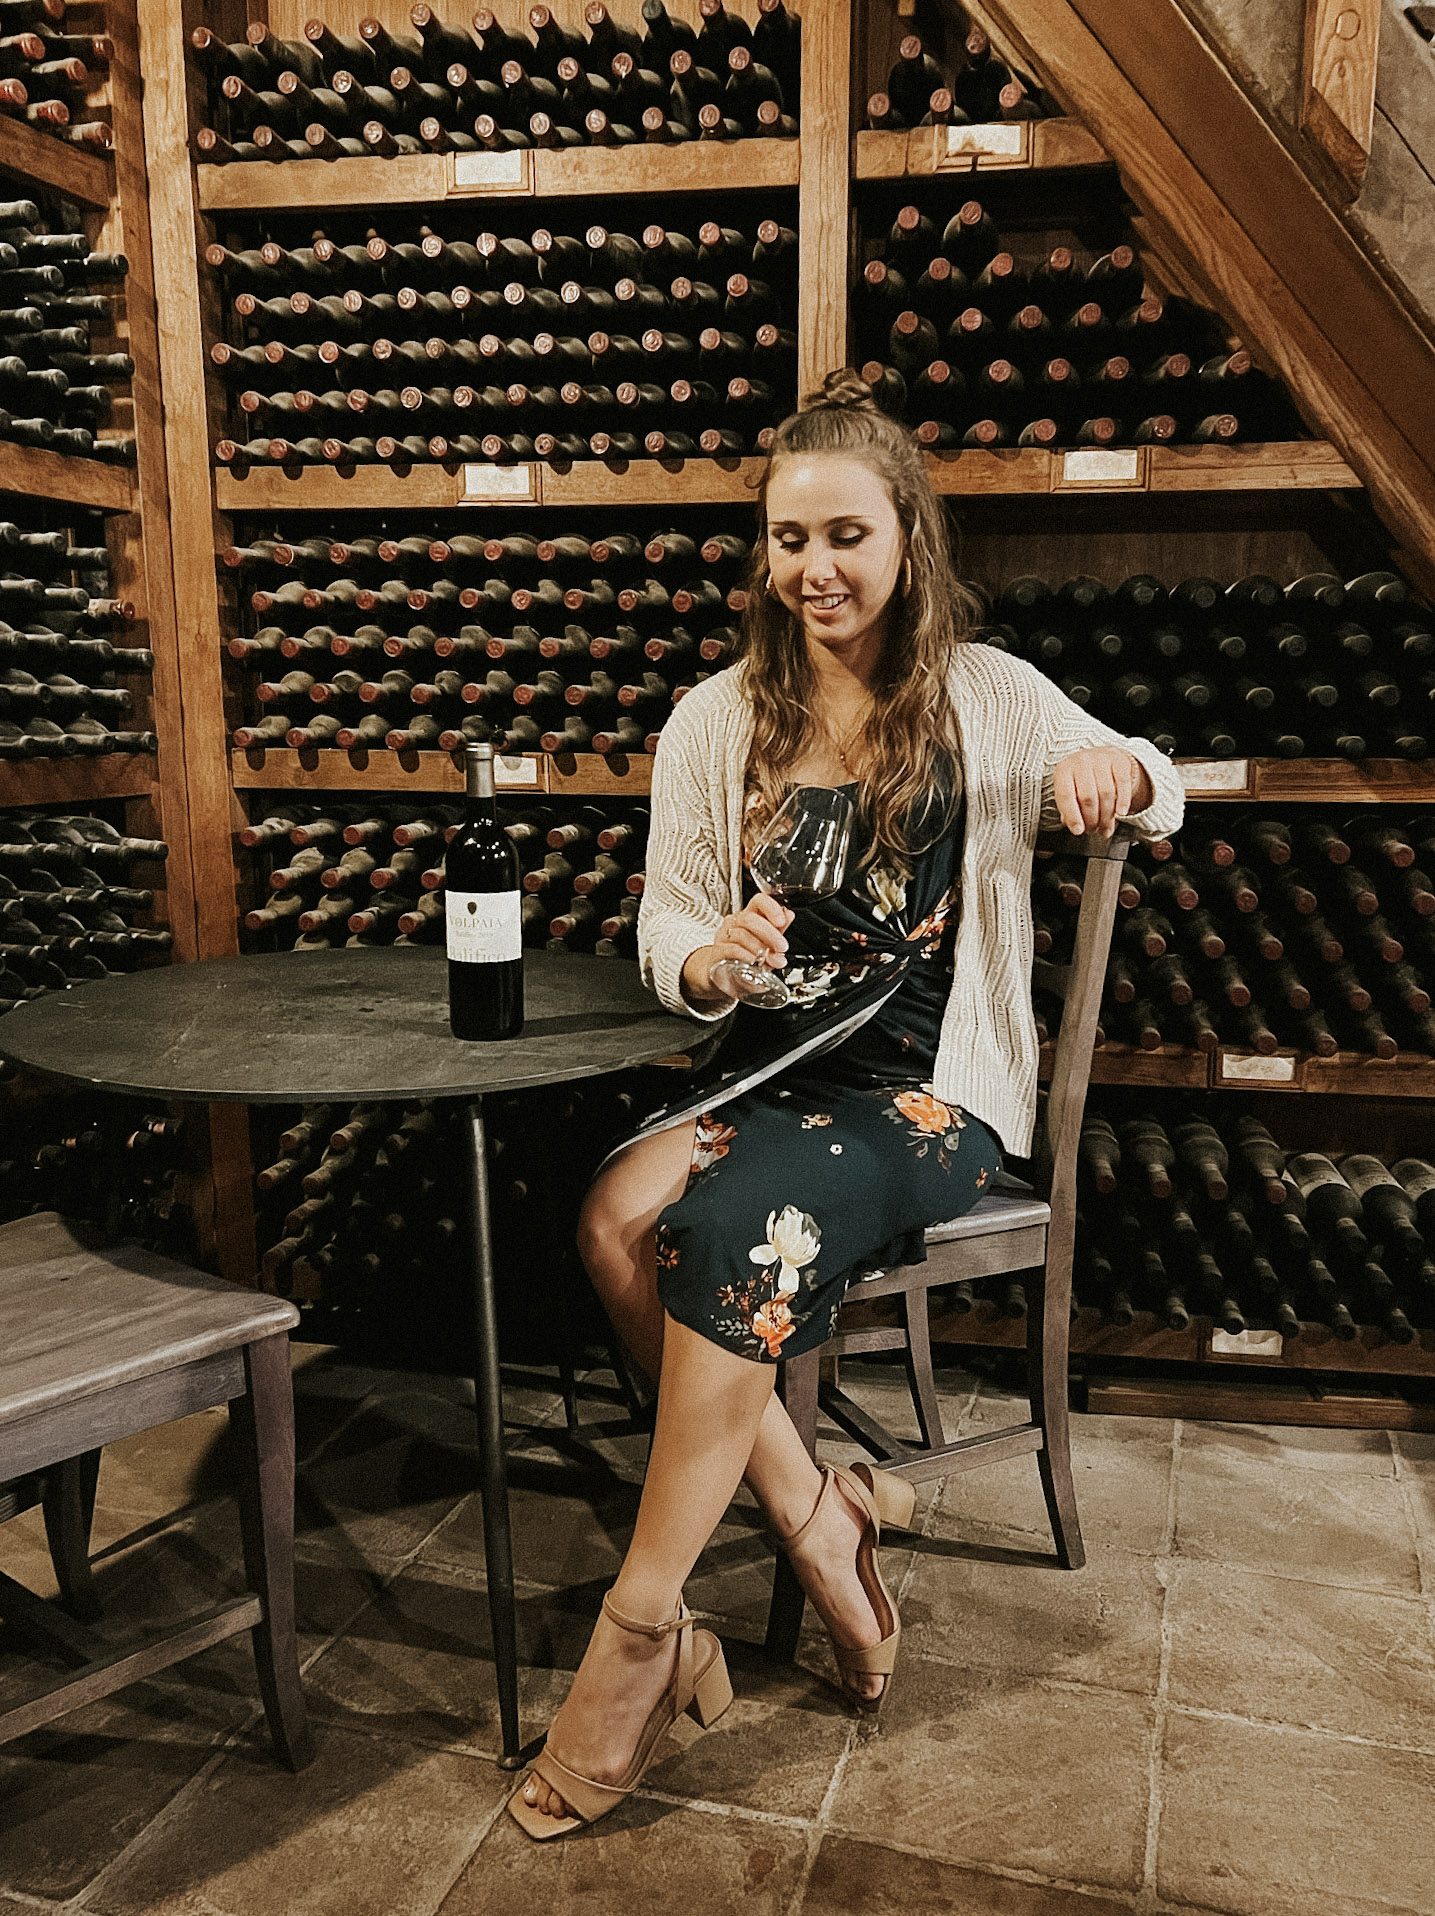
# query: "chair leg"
(918, 1357)
(1047, 1341)
(797, 1383)
(69, 1507)
(264, 1424)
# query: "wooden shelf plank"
(1299, 465)
(309, 770)
(1371, 1351)
(77, 781)
(1314, 781)
(436, 488)
(1029, 145)
(72, 170)
(701, 166)
(77, 482)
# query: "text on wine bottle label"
(483, 928)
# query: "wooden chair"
(98, 1344)
(1016, 1227)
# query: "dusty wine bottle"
(483, 915)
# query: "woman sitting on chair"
(724, 1244)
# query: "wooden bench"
(100, 1343)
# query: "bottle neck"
(478, 774)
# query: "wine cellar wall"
(471, 329)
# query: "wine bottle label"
(484, 928)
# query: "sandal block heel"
(893, 1497)
(712, 1693)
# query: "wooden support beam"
(1337, 110)
(1216, 183)
(822, 213)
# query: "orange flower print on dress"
(773, 1323)
(667, 1250)
(982, 1176)
(712, 1140)
(927, 1113)
(929, 1121)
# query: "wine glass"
(800, 857)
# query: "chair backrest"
(1079, 986)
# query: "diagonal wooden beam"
(1221, 190)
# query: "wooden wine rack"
(1255, 507)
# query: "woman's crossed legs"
(718, 1423)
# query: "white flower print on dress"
(888, 890)
(792, 1240)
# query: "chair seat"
(995, 1212)
(76, 1320)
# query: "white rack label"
(1216, 774)
(1254, 1067)
(510, 773)
(1246, 1343)
(1003, 139)
(484, 484)
(1101, 466)
(488, 172)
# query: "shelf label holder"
(514, 772)
(1256, 1067)
(478, 173)
(1227, 776)
(499, 485)
(1100, 469)
(1263, 1345)
(999, 143)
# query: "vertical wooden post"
(226, 1232)
(1337, 109)
(823, 195)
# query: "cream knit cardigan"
(1015, 727)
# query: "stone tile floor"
(1231, 1709)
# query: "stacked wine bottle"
(374, 875)
(49, 78)
(1322, 667)
(59, 664)
(558, 643)
(976, 342)
(967, 85)
(553, 346)
(352, 1201)
(450, 89)
(1312, 932)
(73, 904)
(1209, 1217)
(55, 389)
(116, 1161)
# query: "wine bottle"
(484, 927)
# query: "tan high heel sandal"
(699, 1686)
(885, 1498)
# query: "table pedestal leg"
(493, 1479)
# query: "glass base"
(751, 984)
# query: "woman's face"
(834, 545)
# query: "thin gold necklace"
(847, 738)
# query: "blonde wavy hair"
(912, 741)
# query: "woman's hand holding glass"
(753, 935)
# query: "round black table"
(350, 1025)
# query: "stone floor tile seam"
(1156, 1799)
(735, 1812)
(1196, 1712)
(224, 1743)
(1134, 1900)
(793, 1906)
(500, 1809)
(1173, 1487)
(1288, 1574)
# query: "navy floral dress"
(835, 1166)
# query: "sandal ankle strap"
(679, 1620)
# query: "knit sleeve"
(683, 897)
(1073, 730)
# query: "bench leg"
(264, 1425)
(69, 1506)
(797, 1382)
(1047, 1341)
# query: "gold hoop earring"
(771, 587)
(906, 578)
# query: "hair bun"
(845, 391)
